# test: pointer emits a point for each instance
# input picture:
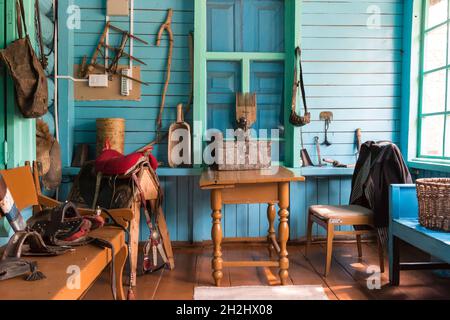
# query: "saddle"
(115, 181)
(110, 181)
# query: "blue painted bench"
(405, 226)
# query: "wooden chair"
(24, 186)
(329, 217)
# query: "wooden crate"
(245, 155)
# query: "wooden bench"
(69, 276)
(405, 227)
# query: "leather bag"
(295, 119)
(26, 70)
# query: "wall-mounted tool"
(245, 110)
(358, 138)
(319, 156)
(102, 47)
(304, 155)
(337, 164)
(295, 119)
(326, 116)
(165, 26)
(179, 133)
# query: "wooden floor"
(346, 281)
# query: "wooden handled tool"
(358, 135)
(337, 164)
(185, 156)
(316, 141)
(166, 26)
(326, 116)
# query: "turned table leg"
(271, 235)
(283, 230)
(216, 234)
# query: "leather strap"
(105, 243)
(37, 14)
(101, 243)
(21, 22)
(298, 81)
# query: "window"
(434, 99)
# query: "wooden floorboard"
(339, 281)
(249, 276)
(419, 284)
(269, 275)
(346, 256)
(346, 281)
(178, 284)
(302, 273)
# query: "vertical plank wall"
(350, 69)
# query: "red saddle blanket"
(112, 162)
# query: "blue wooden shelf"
(171, 172)
(323, 171)
(162, 172)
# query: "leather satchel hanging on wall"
(295, 119)
(26, 70)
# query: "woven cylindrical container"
(434, 203)
(113, 131)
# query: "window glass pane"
(433, 96)
(437, 12)
(447, 138)
(435, 48)
(432, 136)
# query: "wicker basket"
(113, 130)
(434, 203)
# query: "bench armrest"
(122, 216)
(403, 202)
(47, 202)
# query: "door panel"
(2, 86)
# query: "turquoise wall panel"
(350, 69)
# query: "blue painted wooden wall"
(140, 116)
(350, 69)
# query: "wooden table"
(244, 187)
